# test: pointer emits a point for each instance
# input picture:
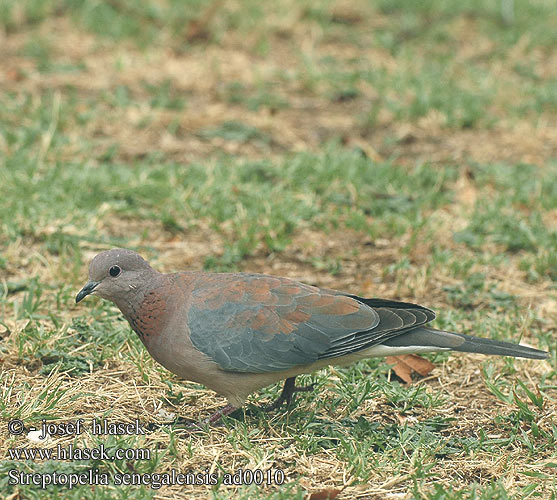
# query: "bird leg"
(288, 391)
(215, 417)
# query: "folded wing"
(256, 323)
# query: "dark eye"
(114, 271)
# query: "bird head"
(115, 274)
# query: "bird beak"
(86, 290)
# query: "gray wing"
(255, 323)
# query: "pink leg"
(215, 417)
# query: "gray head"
(115, 274)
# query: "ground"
(403, 150)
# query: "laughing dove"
(238, 332)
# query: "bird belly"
(178, 355)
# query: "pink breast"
(149, 318)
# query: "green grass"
(387, 148)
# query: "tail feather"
(430, 337)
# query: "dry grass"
(291, 81)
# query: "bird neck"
(146, 307)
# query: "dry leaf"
(404, 365)
(328, 494)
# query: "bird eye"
(114, 271)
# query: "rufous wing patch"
(264, 321)
(297, 316)
(338, 305)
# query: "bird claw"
(195, 426)
(210, 421)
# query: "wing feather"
(256, 323)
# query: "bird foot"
(211, 420)
(288, 391)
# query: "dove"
(236, 333)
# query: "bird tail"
(440, 340)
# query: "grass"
(395, 149)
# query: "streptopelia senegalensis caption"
(238, 332)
